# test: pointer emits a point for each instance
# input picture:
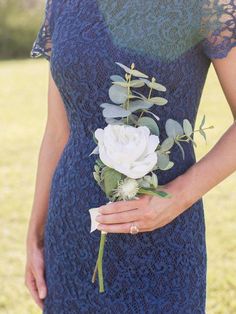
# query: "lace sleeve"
(219, 27)
(42, 45)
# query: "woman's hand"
(148, 212)
(34, 274)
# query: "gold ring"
(134, 229)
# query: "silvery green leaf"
(181, 148)
(114, 111)
(154, 85)
(96, 168)
(160, 101)
(95, 151)
(188, 130)
(117, 78)
(130, 71)
(133, 118)
(154, 115)
(163, 161)
(144, 184)
(138, 73)
(134, 83)
(99, 162)
(173, 128)
(148, 179)
(118, 94)
(203, 122)
(105, 104)
(111, 180)
(169, 166)
(154, 180)
(124, 67)
(139, 104)
(96, 176)
(114, 121)
(150, 123)
(202, 133)
(167, 144)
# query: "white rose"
(127, 149)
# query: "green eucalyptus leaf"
(203, 122)
(160, 101)
(130, 71)
(173, 128)
(154, 85)
(150, 123)
(117, 78)
(118, 94)
(181, 149)
(114, 121)
(138, 73)
(202, 133)
(133, 118)
(96, 168)
(124, 67)
(111, 180)
(105, 104)
(154, 180)
(169, 166)
(162, 161)
(139, 104)
(113, 111)
(167, 144)
(134, 83)
(99, 162)
(188, 130)
(144, 184)
(96, 176)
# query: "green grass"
(23, 115)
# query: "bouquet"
(129, 150)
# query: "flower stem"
(99, 262)
(95, 272)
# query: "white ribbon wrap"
(94, 212)
(93, 215)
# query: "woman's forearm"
(213, 168)
(49, 154)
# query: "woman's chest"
(159, 29)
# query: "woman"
(162, 268)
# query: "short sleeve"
(219, 28)
(42, 45)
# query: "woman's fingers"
(121, 206)
(40, 283)
(120, 217)
(122, 228)
(30, 283)
(34, 276)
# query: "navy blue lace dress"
(162, 271)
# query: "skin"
(148, 212)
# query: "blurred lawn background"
(23, 85)
(23, 105)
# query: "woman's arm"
(54, 139)
(151, 212)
